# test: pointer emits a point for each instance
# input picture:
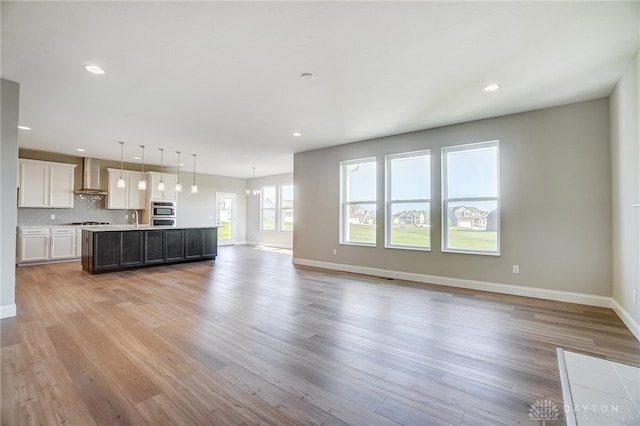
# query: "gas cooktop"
(90, 223)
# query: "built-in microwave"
(161, 209)
(165, 221)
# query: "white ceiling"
(222, 79)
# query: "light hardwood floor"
(251, 339)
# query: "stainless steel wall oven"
(162, 213)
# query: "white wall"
(254, 234)
(556, 206)
(625, 164)
(8, 184)
(200, 209)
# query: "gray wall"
(556, 201)
(254, 234)
(625, 160)
(8, 183)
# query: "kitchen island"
(107, 249)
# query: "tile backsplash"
(85, 208)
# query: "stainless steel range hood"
(91, 178)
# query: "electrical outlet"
(335, 251)
(516, 269)
(635, 296)
(53, 217)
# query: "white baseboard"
(539, 293)
(7, 311)
(631, 324)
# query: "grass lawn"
(459, 238)
(362, 233)
(464, 238)
(268, 225)
(224, 231)
(411, 236)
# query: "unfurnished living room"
(331, 212)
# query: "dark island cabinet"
(106, 251)
(131, 248)
(113, 250)
(174, 245)
(201, 242)
(153, 247)
(209, 242)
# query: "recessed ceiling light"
(297, 134)
(306, 76)
(94, 69)
(24, 128)
(136, 158)
(80, 149)
(491, 88)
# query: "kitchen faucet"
(135, 217)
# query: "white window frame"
(281, 207)
(446, 200)
(389, 201)
(344, 203)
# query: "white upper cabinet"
(169, 180)
(130, 197)
(45, 184)
(137, 198)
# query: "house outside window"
(471, 198)
(408, 200)
(358, 202)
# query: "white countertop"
(82, 226)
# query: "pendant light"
(121, 184)
(254, 191)
(178, 184)
(161, 183)
(194, 187)
(142, 183)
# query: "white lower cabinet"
(34, 245)
(63, 243)
(44, 244)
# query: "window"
(470, 198)
(358, 202)
(286, 207)
(408, 200)
(276, 208)
(268, 208)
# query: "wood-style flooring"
(250, 339)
